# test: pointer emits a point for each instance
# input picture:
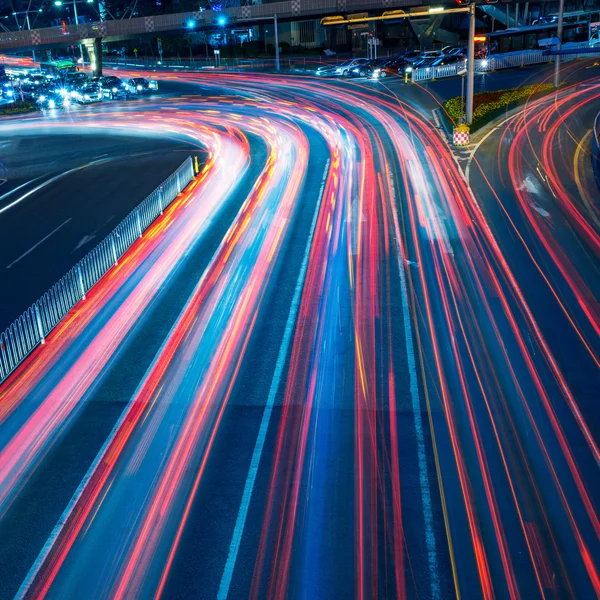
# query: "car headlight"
(86, 96)
(140, 88)
(10, 93)
(114, 90)
(42, 98)
(51, 103)
(408, 69)
(484, 63)
(62, 92)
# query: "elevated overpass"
(91, 34)
(176, 22)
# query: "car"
(459, 50)
(112, 87)
(450, 59)
(326, 70)
(366, 69)
(395, 66)
(73, 81)
(90, 92)
(53, 99)
(139, 85)
(410, 55)
(345, 67)
(6, 88)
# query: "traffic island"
(489, 105)
(17, 108)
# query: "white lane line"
(14, 262)
(9, 193)
(39, 187)
(418, 421)
(485, 137)
(238, 530)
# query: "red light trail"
(425, 420)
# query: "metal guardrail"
(493, 63)
(34, 325)
(596, 150)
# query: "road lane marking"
(240, 523)
(14, 262)
(51, 180)
(10, 192)
(418, 421)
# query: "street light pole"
(559, 34)
(77, 23)
(276, 44)
(471, 63)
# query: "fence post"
(80, 279)
(38, 319)
(139, 221)
(160, 199)
(114, 248)
(178, 183)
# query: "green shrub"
(486, 105)
(17, 108)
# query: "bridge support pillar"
(94, 50)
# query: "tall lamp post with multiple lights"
(26, 13)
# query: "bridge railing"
(34, 325)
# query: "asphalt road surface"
(321, 374)
(62, 194)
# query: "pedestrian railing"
(596, 149)
(34, 325)
(493, 63)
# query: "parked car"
(449, 59)
(139, 85)
(365, 69)
(459, 50)
(112, 87)
(326, 70)
(410, 55)
(345, 68)
(396, 66)
(90, 92)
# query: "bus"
(528, 37)
(58, 68)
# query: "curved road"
(320, 374)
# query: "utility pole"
(559, 34)
(76, 24)
(276, 44)
(471, 63)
